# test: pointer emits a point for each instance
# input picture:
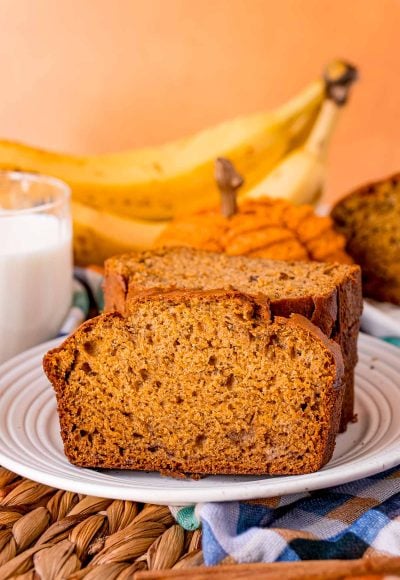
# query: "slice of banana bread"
(327, 294)
(369, 218)
(199, 383)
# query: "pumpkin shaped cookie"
(264, 228)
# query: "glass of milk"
(35, 259)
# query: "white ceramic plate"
(30, 443)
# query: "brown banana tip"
(339, 75)
(228, 181)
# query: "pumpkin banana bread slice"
(193, 382)
(369, 218)
(327, 294)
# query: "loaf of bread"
(327, 294)
(193, 382)
(369, 218)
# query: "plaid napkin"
(345, 522)
(87, 299)
(349, 521)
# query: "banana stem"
(339, 77)
(320, 136)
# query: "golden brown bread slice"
(327, 294)
(200, 383)
(369, 218)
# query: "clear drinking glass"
(35, 259)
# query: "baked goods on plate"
(198, 382)
(327, 294)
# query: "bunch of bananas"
(121, 201)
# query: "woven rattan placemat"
(51, 533)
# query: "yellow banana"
(99, 235)
(300, 176)
(158, 182)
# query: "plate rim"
(237, 491)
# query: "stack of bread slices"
(205, 363)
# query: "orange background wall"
(96, 75)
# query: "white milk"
(35, 280)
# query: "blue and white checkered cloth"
(355, 520)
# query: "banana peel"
(99, 235)
(157, 183)
(300, 176)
